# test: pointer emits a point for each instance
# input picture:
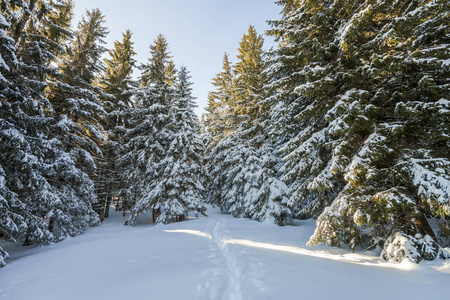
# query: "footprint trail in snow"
(231, 276)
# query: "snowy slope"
(219, 257)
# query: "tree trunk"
(424, 226)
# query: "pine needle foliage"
(362, 92)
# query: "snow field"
(218, 257)
(230, 275)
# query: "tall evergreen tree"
(250, 77)
(118, 84)
(76, 101)
(149, 135)
(73, 94)
(359, 84)
(16, 216)
(160, 68)
(220, 123)
(38, 179)
(241, 163)
(71, 212)
(219, 118)
(179, 185)
(293, 119)
(117, 78)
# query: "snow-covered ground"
(218, 257)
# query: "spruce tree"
(38, 180)
(220, 120)
(73, 94)
(180, 183)
(117, 78)
(71, 209)
(14, 214)
(78, 109)
(118, 85)
(241, 161)
(149, 135)
(359, 84)
(220, 123)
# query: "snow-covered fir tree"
(76, 101)
(119, 86)
(361, 89)
(219, 123)
(165, 152)
(14, 213)
(240, 161)
(47, 33)
(117, 78)
(179, 186)
(294, 116)
(149, 135)
(219, 119)
(43, 196)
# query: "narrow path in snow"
(223, 279)
(231, 275)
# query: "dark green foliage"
(116, 79)
(182, 176)
(240, 158)
(149, 135)
(117, 83)
(360, 89)
(44, 196)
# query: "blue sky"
(198, 31)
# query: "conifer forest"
(345, 121)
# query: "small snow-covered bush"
(3, 255)
(400, 246)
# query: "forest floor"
(218, 257)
